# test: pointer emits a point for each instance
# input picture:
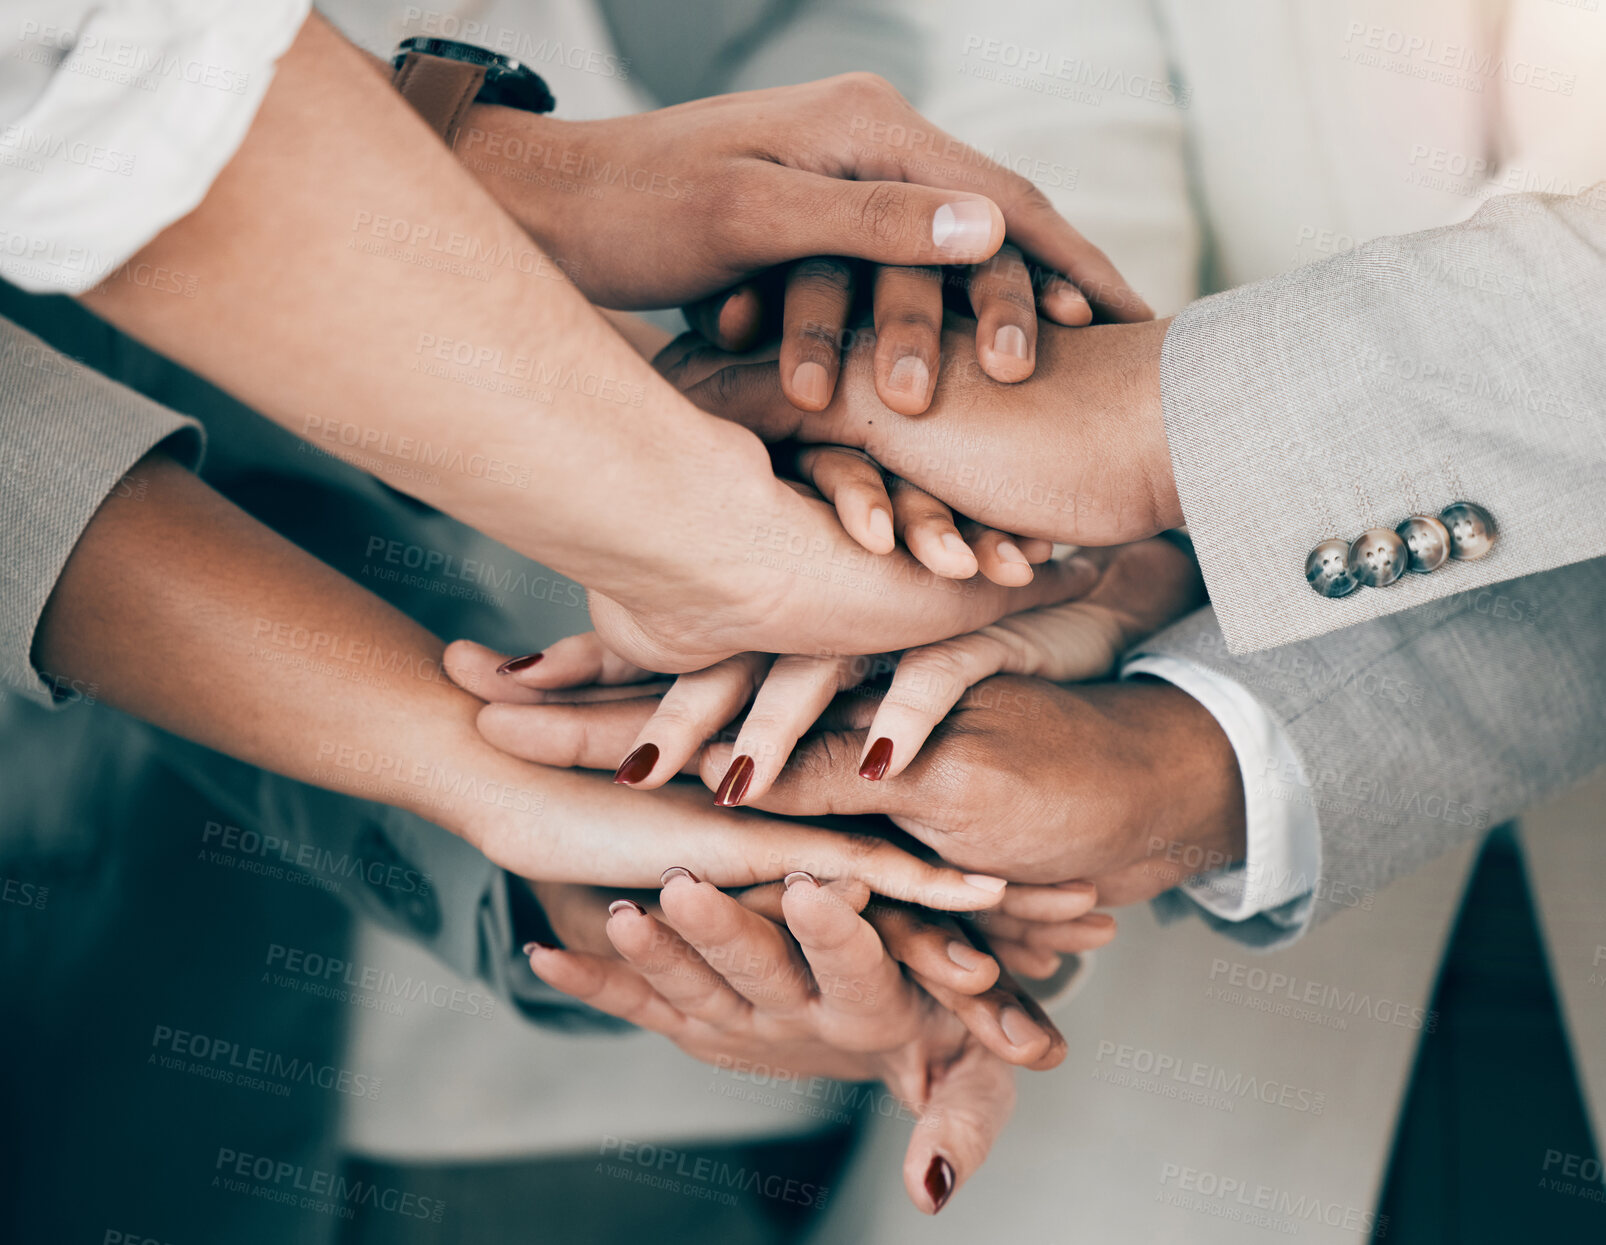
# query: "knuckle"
(866, 87)
(883, 214)
(826, 275)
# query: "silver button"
(1378, 557)
(1428, 541)
(1327, 569)
(1472, 530)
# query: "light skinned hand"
(819, 997)
(1141, 588)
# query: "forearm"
(189, 614)
(393, 354)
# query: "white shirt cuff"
(140, 108)
(1284, 846)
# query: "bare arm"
(192, 615)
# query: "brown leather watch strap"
(440, 89)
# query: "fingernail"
(533, 946)
(1017, 1027)
(939, 1182)
(966, 956)
(1010, 340)
(1009, 551)
(514, 664)
(637, 765)
(955, 544)
(676, 871)
(796, 876)
(811, 383)
(909, 375)
(986, 882)
(626, 905)
(877, 760)
(963, 227)
(881, 526)
(733, 786)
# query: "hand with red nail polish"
(809, 989)
(1139, 589)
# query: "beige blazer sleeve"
(1466, 363)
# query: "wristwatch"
(441, 78)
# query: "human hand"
(957, 958)
(685, 202)
(1076, 454)
(731, 987)
(1129, 786)
(1141, 588)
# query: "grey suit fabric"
(1462, 363)
(68, 437)
(1424, 729)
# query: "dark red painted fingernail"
(514, 664)
(626, 905)
(637, 765)
(939, 1182)
(676, 871)
(877, 760)
(533, 945)
(734, 785)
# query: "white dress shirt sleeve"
(115, 119)
(1283, 858)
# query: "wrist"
(1186, 809)
(1148, 399)
(527, 161)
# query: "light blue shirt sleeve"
(1282, 861)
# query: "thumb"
(885, 222)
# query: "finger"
(933, 946)
(969, 1103)
(791, 698)
(766, 899)
(819, 293)
(1061, 301)
(575, 661)
(567, 736)
(1049, 240)
(999, 555)
(607, 985)
(1064, 902)
(772, 849)
(697, 707)
(1004, 1019)
(753, 956)
(926, 527)
(887, 222)
(863, 1002)
(1025, 961)
(1035, 548)
(927, 684)
(733, 319)
(908, 325)
(1087, 933)
(853, 484)
(672, 967)
(1006, 316)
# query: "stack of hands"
(872, 959)
(862, 564)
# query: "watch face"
(452, 50)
